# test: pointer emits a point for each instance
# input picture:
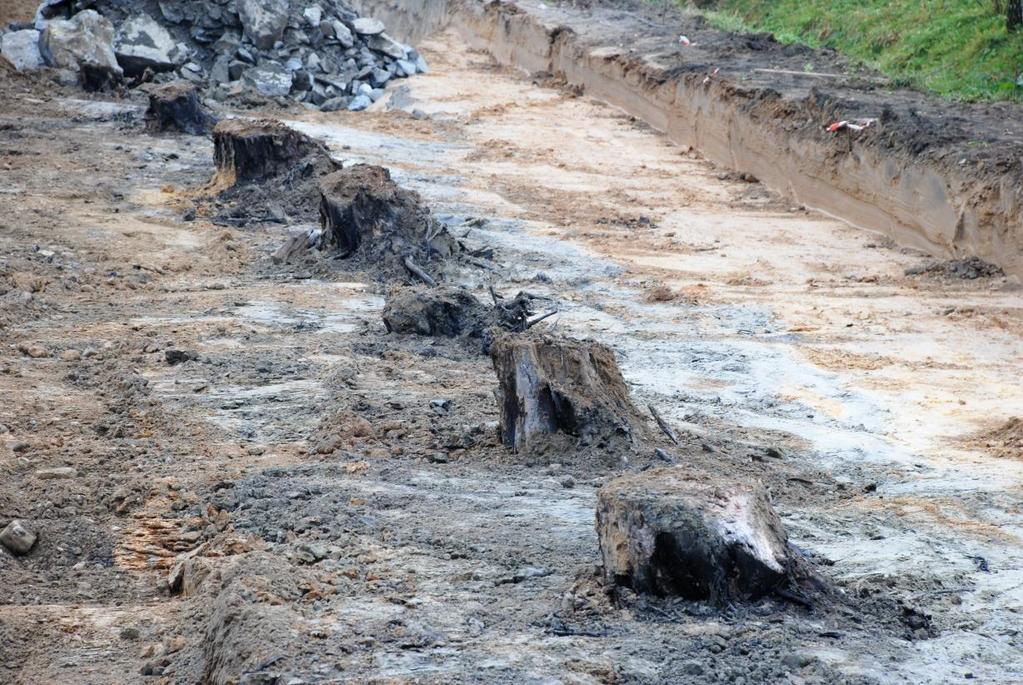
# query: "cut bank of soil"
(941, 176)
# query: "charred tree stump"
(443, 311)
(365, 214)
(176, 107)
(665, 533)
(246, 151)
(550, 385)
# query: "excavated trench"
(943, 204)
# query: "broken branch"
(662, 424)
(414, 268)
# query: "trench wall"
(935, 207)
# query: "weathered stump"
(245, 151)
(550, 385)
(665, 533)
(176, 106)
(365, 214)
(443, 311)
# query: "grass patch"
(956, 48)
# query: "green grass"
(956, 48)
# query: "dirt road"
(339, 528)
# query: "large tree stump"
(267, 171)
(364, 214)
(442, 311)
(246, 151)
(176, 106)
(666, 533)
(550, 385)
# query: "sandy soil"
(337, 529)
(17, 10)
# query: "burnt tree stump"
(246, 151)
(367, 215)
(176, 107)
(666, 533)
(550, 385)
(442, 311)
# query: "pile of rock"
(320, 53)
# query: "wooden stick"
(414, 268)
(662, 424)
(530, 324)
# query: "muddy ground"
(322, 518)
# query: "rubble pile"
(319, 53)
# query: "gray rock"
(312, 62)
(17, 538)
(301, 80)
(367, 26)
(235, 69)
(796, 661)
(377, 93)
(421, 66)
(293, 64)
(142, 43)
(21, 48)
(86, 41)
(58, 473)
(263, 21)
(380, 76)
(386, 45)
(313, 15)
(228, 42)
(363, 89)
(664, 532)
(343, 35)
(335, 104)
(270, 79)
(406, 67)
(244, 55)
(220, 72)
(359, 103)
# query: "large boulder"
(668, 533)
(142, 43)
(21, 49)
(367, 26)
(551, 386)
(176, 107)
(263, 21)
(84, 44)
(386, 45)
(270, 79)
